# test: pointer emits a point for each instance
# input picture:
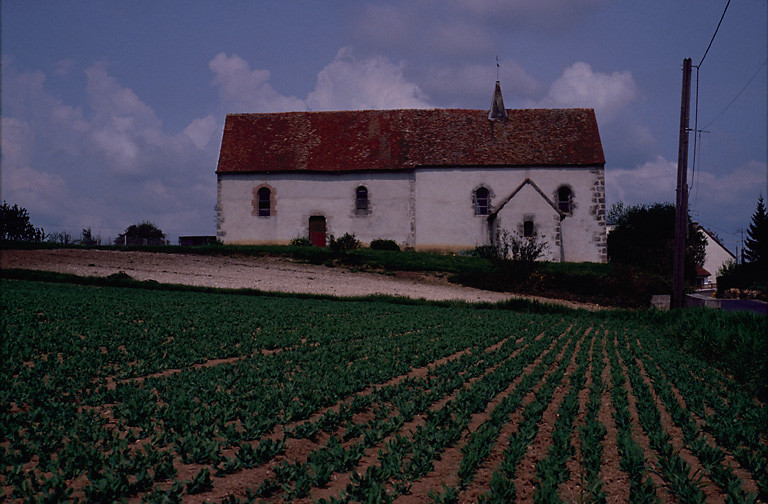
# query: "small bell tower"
(497, 112)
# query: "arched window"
(528, 229)
(565, 199)
(264, 202)
(361, 200)
(482, 201)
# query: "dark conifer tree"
(756, 244)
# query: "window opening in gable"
(361, 200)
(264, 198)
(482, 201)
(528, 228)
(565, 199)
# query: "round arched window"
(482, 201)
(361, 200)
(264, 197)
(565, 199)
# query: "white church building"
(441, 179)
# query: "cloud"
(580, 86)
(724, 198)
(17, 142)
(116, 105)
(107, 163)
(46, 193)
(744, 182)
(541, 13)
(389, 25)
(456, 38)
(651, 182)
(460, 83)
(461, 28)
(348, 83)
(64, 68)
(244, 90)
(202, 130)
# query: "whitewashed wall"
(428, 209)
(297, 197)
(716, 257)
(445, 216)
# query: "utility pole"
(681, 203)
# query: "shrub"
(380, 244)
(347, 242)
(741, 276)
(484, 251)
(301, 241)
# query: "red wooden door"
(317, 230)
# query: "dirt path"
(271, 274)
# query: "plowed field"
(111, 394)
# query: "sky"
(113, 111)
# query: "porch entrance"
(317, 230)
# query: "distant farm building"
(442, 179)
(196, 241)
(717, 256)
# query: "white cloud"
(744, 182)
(580, 86)
(723, 198)
(652, 182)
(107, 164)
(17, 142)
(244, 90)
(348, 83)
(202, 130)
(116, 105)
(46, 193)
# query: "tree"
(644, 238)
(756, 244)
(61, 237)
(87, 238)
(144, 233)
(15, 225)
(615, 212)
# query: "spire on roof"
(497, 112)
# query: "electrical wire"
(714, 34)
(739, 94)
(696, 133)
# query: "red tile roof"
(406, 139)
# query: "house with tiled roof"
(716, 256)
(441, 179)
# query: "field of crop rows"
(111, 394)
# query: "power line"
(696, 133)
(714, 34)
(739, 94)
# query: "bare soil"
(265, 273)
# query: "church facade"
(442, 179)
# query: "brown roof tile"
(405, 139)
